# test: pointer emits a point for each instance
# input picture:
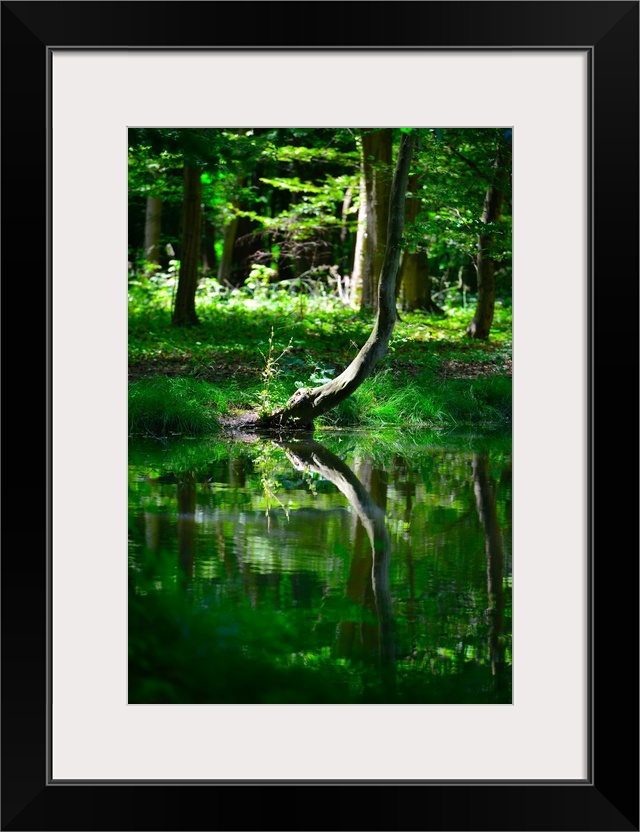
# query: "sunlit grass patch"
(162, 405)
(480, 400)
(384, 400)
(433, 375)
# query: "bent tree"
(312, 456)
(309, 403)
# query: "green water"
(351, 569)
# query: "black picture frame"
(608, 798)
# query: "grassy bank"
(252, 353)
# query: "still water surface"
(352, 568)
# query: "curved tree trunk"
(309, 403)
(184, 312)
(315, 457)
(480, 326)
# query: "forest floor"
(248, 370)
(254, 355)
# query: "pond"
(351, 568)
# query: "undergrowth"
(251, 354)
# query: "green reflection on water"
(359, 569)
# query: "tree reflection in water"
(303, 602)
(311, 455)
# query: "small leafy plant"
(269, 374)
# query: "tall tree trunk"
(236, 248)
(414, 281)
(359, 255)
(346, 204)
(152, 225)
(480, 326)
(309, 403)
(246, 242)
(184, 312)
(376, 161)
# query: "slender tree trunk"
(346, 204)
(184, 313)
(480, 326)
(376, 160)
(226, 267)
(152, 226)
(341, 253)
(309, 403)
(359, 256)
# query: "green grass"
(161, 406)
(433, 376)
(381, 402)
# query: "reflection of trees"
(317, 605)
(359, 638)
(186, 522)
(411, 617)
(486, 504)
(311, 455)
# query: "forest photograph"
(319, 415)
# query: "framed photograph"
(545, 734)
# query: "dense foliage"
(295, 198)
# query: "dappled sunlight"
(320, 403)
